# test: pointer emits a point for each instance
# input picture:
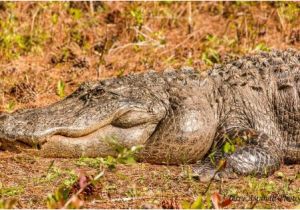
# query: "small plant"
(54, 18)
(10, 106)
(132, 192)
(68, 196)
(124, 155)
(210, 56)
(90, 162)
(261, 47)
(55, 173)
(212, 46)
(75, 13)
(120, 72)
(207, 201)
(15, 42)
(228, 148)
(187, 172)
(10, 191)
(58, 199)
(290, 12)
(60, 89)
(52, 174)
(261, 187)
(199, 203)
(138, 16)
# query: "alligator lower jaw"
(95, 144)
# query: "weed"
(11, 191)
(10, 106)
(78, 37)
(66, 197)
(210, 56)
(261, 187)
(261, 47)
(14, 42)
(54, 173)
(290, 12)
(58, 199)
(90, 162)
(60, 89)
(120, 72)
(70, 180)
(187, 172)
(132, 192)
(54, 18)
(138, 16)
(228, 148)
(207, 201)
(124, 155)
(75, 13)
(211, 48)
(201, 202)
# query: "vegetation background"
(48, 48)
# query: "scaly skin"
(179, 116)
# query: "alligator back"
(262, 91)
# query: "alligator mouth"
(94, 144)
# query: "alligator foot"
(254, 156)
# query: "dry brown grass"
(72, 43)
(44, 43)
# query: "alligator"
(250, 105)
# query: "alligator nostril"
(39, 147)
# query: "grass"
(143, 184)
(11, 191)
(45, 55)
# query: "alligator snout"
(125, 112)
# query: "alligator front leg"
(251, 153)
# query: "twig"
(76, 194)
(190, 24)
(127, 199)
(143, 34)
(92, 7)
(220, 167)
(145, 43)
(281, 20)
(33, 22)
(50, 166)
(190, 20)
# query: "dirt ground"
(31, 179)
(48, 49)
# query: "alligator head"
(126, 109)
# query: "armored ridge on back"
(178, 116)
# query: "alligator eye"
(93, 94)
(98, 91)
